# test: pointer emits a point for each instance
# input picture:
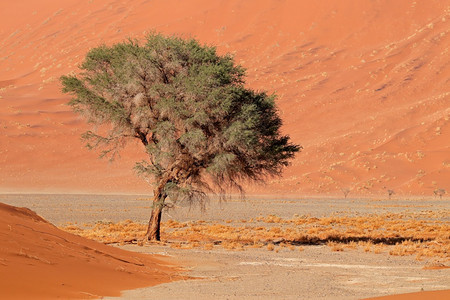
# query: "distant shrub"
(439, 192)
(390, 193)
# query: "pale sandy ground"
(60, 209)
(315, 273)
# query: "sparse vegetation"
(421, 234)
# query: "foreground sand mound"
(362, 85)
(38, 260)
(435, 295)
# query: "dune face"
(363, 86)
(39, 261)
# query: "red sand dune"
(363, 85)
(431, 295)
(39, 261)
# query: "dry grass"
(424, 234)
(107, 232)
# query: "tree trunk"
(153, 229)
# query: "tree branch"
(142, 137)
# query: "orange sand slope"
(39, 261)
(429, 295)
(362, 85)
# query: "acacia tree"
(202, 130)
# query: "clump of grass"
(436, 265)
(256, 245)
(335, 246)
(367, 246)
(174, 224)
(379, 248)
(271, 219)
(208, 246)
(351, 245)
(231, 245)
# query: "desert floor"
(303, 271)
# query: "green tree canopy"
(201, 128)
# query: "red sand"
(362, 85)
(429, 295)
(39, 261)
